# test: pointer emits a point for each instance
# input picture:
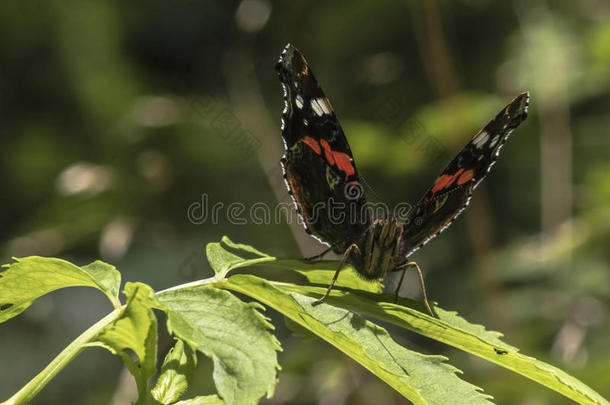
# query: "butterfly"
(321, 176)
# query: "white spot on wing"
(494, 140)
(316, 106)
(299, 101)
(321, 106)
(481, 139)
(325, 104)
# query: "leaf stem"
(29, 391)
(213, 279)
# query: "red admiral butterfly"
(321, 175)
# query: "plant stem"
(191, 284)
(29, 391)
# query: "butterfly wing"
(450, 193)
(319, 168)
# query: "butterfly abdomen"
(380, 249)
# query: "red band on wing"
(313, 144)
(446, 180)
(465, 177)
(441, 182)
(328, 152)
(342, 160)
(344, 163)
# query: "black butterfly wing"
(450, 193)
(319, 168)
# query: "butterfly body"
(382, 249)
(321, 175)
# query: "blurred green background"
(119, 116)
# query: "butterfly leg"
(332, 283)
(421, 282)
(402, 277)
(318, 256)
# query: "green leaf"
(32, 277)
(106, 276)
(207, 400)
(226, 255)
(234, 334)
(135, 331)
(448, 328)
(455, 331)
(322, 271)
(422, 379)
(176, 373)
(29, 390)
(132, 327)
